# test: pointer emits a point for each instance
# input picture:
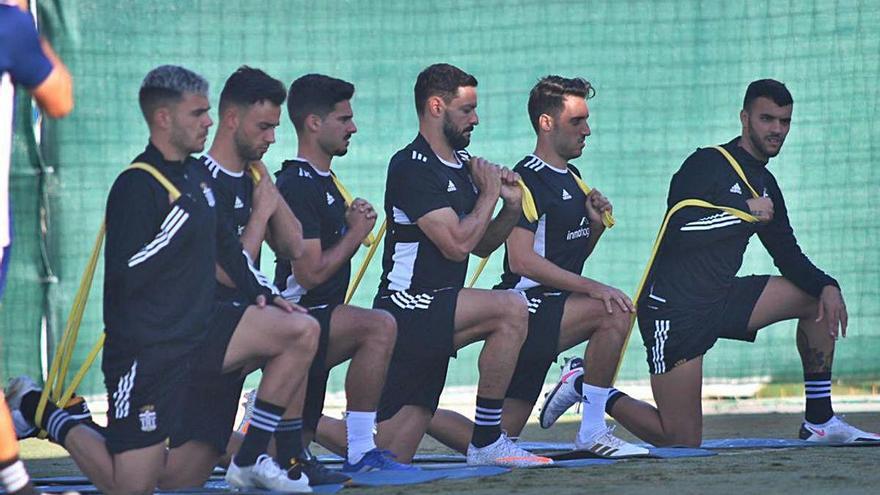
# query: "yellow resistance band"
(370, 239)
(363, 269)
(54, 386)
(678, 206)
(530, 210)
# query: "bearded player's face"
(460, 117)
(765, 125)
(256, 129)
(336, 129)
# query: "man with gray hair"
(159, 286)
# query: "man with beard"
(320, 109)
(544, 260)
(692, 296)
(160, 258)
(439, 203)
(250, 109)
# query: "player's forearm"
(498, 230)
(545, 272)
(310, 274)
(253, 235)
(472, 227)
(596, 231)
(55, 93)
(286, 233)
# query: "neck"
(546, 152)
(319, 158)
(223, 150)
(169, 152)
(438, 142)
(746, 144)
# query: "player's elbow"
(455, 253)
(59, 109)
(308, 279)
(518, 265)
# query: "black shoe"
(318, 473)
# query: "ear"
(162, 117)
(435, 106)
(744, 118)
(545, 123)
(313, 122)
(231, 117)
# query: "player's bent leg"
(331, 435)
(189, 465)
(265, 333)
(779, 301)
(678, 417)
(500, 319)
(138, 470)
(584, 319)
(286, 344)
(367, 337)
(455, 430)
(402, 433)
(516, 415)
(451, 429)
(782, 300)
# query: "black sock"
(264, 421)
(487, 421)
(57, 422)
(614, 395)
(817, 389)
(288, 441)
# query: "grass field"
(811, 470)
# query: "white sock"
(359, 428)
(13, 477)
(592, 411)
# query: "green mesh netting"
(670, 77)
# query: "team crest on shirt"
(147, 417)
(209, 194)
(330, 199)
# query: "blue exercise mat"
(455, 471)
(220, 486)
(579, 463)
(755, 443)
(566, 451)
(390, 478)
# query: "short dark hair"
(315, 94)
(768, 88)
(248, 85)
(441, 80)
(549, 93)
(167, 84)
